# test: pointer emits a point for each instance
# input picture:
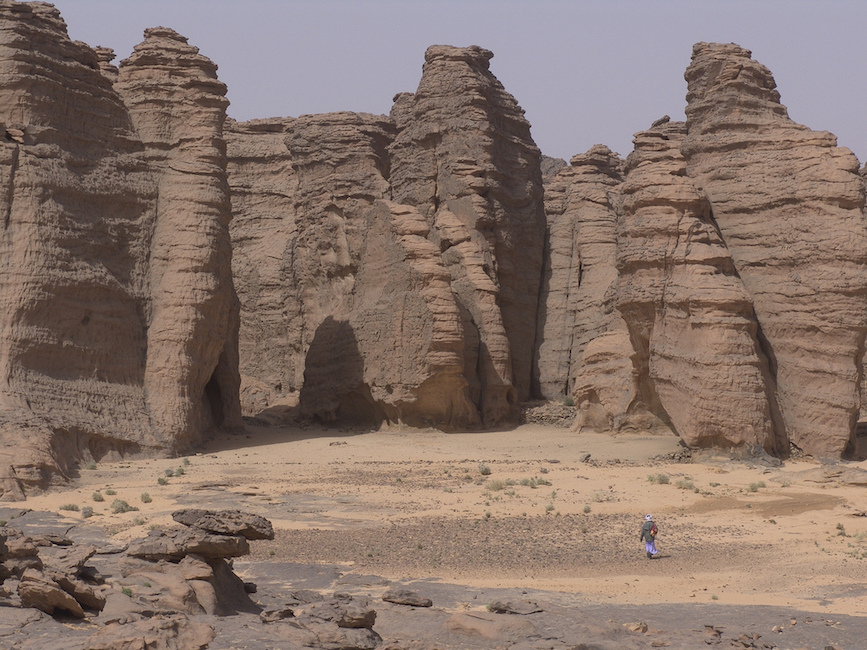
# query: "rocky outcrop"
(177, 106)
(577, 300)
(697, 362)
(464, 157)
(789, 205)
(117, 327)
(371, 298)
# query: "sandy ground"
(520, 508)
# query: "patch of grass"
(484, 470)
(146, 584)
(110, 492)
(841, 530)
(587, 510)
(712, 484)
(487, 514)
(495, 485)
(119, 506)
(568, 402)
(753, 487)
(684, 484)
(69, 506)
(90, 466)
(138, 521)
(186, 461)
(97, 496)
(180, 471)
(162, 481)
(169, 472)
(663, 479)
(126, 591)
(87, 512)
(549, 507)
(714, 597)
(543, 470)
(145, 497)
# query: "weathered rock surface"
(698, 362)
(361, 294)
(226, 522)
(117, 300)
(464, 157)
(577, 299)
(789, 205)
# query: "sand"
(519, 508)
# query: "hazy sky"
(585, 71)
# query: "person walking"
(648, 535)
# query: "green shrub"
(119, 505)
(110, 492)
(586, 510)
(170, 472)
(662, 479)
(162, 481)
(180, 471)
(91, 466)
(145, 497)
(87, 512)
(495, 485)
(126, 591)
(753, 487)
(484, 470)
(568, 402)
(69, 506)
(684, 484)
(186, 461)
(97, 496)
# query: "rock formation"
(698, 363)
(117, 327)
(741, 248)
(577, 303)
(789, 206)
(388, 267)
(465, 158)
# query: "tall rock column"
(788, 203)
(464, 157)
(698, 362)
(576, 304)
(178, 107)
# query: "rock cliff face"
(698, 362)
(464, 157)
(577, 302)
(741, 246)
(789, 205)
(388, 268)
(116, 313)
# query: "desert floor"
(521, 508)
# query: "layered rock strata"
(697, 362)
(789, 206)
(366, 292)
(577, 300)
(464, 157)
(117, 300)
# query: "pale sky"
(585, 71)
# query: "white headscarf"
(648, 517)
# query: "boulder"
(39, 591)
(226, 522)
(160, 632)
(176, 544)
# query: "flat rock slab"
(522, 607)
(226, 522)
(400, 596)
